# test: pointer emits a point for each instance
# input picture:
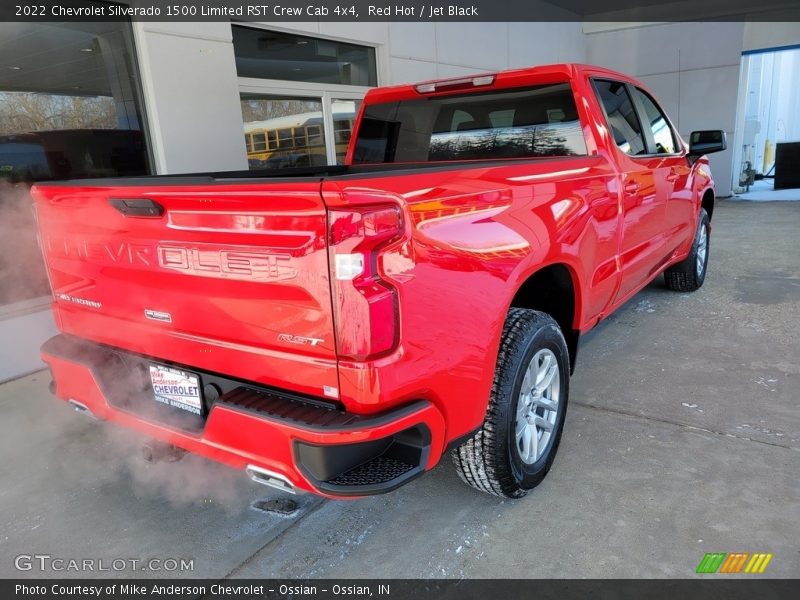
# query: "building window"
(299, 96)
(69, 108)
(264, 54)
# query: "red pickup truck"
(337, 329)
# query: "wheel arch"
(553, 289)
(707, 202)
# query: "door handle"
(672, 177)
(631, 187)
(139, 207)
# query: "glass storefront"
(69, 108)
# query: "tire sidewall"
(549, 337)
(703, 220)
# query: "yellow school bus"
(294, 141)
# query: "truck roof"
(507, 78)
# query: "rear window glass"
(520, 123)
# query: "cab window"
(539, 121)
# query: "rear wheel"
(689, 274)
(515, 447)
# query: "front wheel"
(689, 274)
(515, 447)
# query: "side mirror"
(706, 142)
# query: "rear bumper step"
(281, 439)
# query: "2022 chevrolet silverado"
(338, 329)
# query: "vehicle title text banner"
(639, 11)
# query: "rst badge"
(299, 339)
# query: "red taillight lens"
(365, 305)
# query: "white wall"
(429, 50)
(191, 96)
(692, 68)
(760, 36)
(22, 336)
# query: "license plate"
(176, 388)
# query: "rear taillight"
(365, 305)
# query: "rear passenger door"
(643, 201)
(672, 172)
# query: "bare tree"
(263, 110)
(22, 112)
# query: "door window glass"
(622, 120)
(664, 137)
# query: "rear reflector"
(349, 266)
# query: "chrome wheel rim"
(702, 249)
(537, 406)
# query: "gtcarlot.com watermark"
(58, 564)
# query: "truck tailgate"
(226, 278)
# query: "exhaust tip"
(270, 479)
(82, 408)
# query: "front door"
(641, 250)
(672, 171)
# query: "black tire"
(490, 461)
(687, 275)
